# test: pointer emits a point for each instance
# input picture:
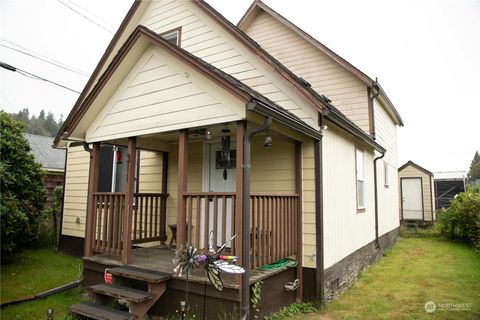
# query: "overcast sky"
(424, 53)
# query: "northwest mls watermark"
(431, 306)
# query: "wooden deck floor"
(160, 258)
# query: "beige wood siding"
(273, 169)
(412, 172)
(202, 36)
(161, 94)
(325, 75)
(76, 189)
(150, 172)
(345, 230)
(386, 135)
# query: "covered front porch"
(196, 192)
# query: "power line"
(43, 56)
(93, 14)
(33, 76)
(84, 16)
(44, 60)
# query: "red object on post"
(107, 276)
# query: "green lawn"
(415, 271)
(33, 271)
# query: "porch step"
(99, 312)
(140, 274)
(116, 291)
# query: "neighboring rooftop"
(51, 159)
(450, 175)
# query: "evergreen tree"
(22, 191)
(474, 172)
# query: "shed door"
(412, 203)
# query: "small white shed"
(417, 198)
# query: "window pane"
(361, 194)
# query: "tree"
(44, 125)
(474, 172)
(22, 191)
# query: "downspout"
(375, 183)
(90, 152)
(372, 106)
(319, 250)
(246, 217)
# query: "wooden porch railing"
(108, 219)
(273, 221)
(206, 211)
(148, 220)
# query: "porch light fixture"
(225, 151)
(267, 143)
(208, 134)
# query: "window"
(113, 169)
(385, 172)
(360, 176)
(172, 36)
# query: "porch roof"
(141, 37)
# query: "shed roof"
(413, 164)
(50, 158)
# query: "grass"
(38, 309)
(30, 272)
(417, 270)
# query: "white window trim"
(357, 178)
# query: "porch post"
(163, 208)
(92, 188)
(129, 190)
(240, 136)
(182, 187)
(298, 190)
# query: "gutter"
(60, 242)
(375, 183)
(319, 250)
(335, 118)
(266, 110)
(245, 302)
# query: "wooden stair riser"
(156, 290)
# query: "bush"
(22, 191)
(462, 220)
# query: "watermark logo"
(430, 306)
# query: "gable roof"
(261, 103)
(41, 147)
(258, 5)
(322, 103)
(413, 164)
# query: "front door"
(412, 203)
(220, 177)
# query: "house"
(447, 185)
(190, 124)
(417, 193)
(52, 161)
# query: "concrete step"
(99, 312)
